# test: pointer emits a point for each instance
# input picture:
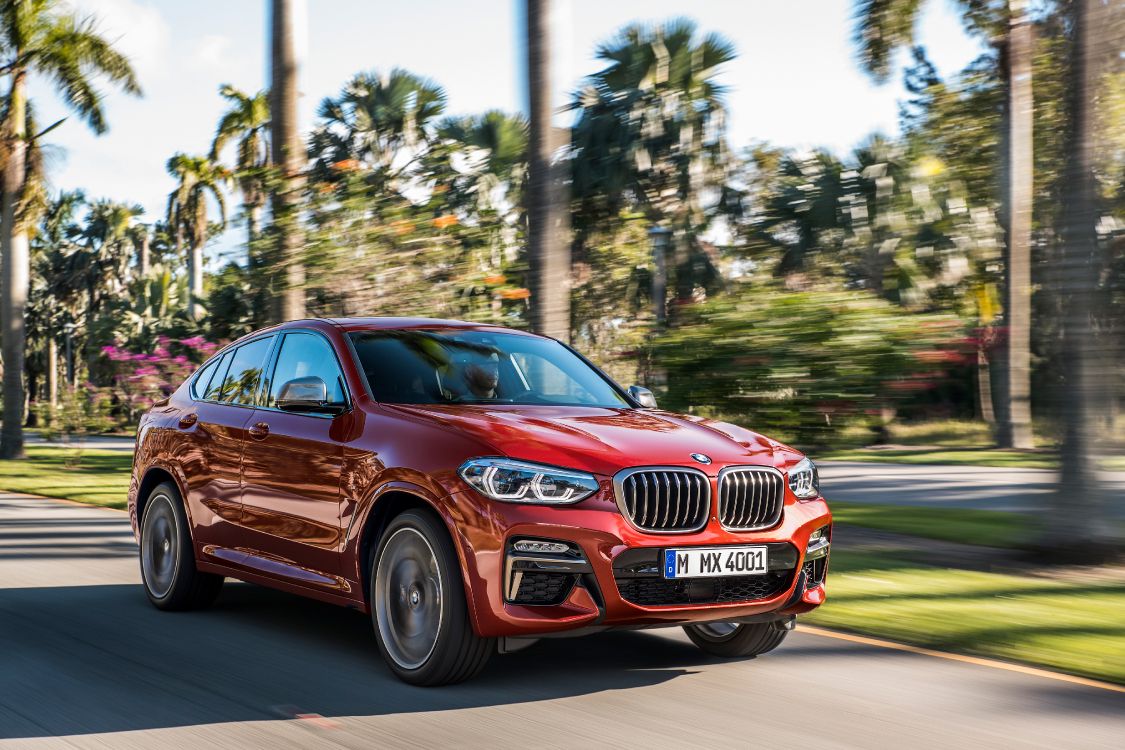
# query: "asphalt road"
(86, 662)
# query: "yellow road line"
(979, 661)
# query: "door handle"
(187, 420)
(259, 430)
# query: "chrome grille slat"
(750, 497)
(664, 499)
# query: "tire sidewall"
(452, 599)
(167, 494)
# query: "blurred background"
(888, 232)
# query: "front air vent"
(664, 499)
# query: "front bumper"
(613, 577)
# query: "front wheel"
(418, 605)
(732, 640)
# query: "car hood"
(603, 440)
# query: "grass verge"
(97, 477)
(954, 457)
(990, 528)
(1072, 627)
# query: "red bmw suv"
(473, 488)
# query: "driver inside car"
(476, 376)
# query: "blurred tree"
(885, 26)
(649, 136)
(45, 37)
(1080, 526)
(246, 122)
(289, 159)
(198, 177)
(548, 246)
(380, 123)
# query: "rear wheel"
(733, 640)
(168, 570)
(418, 605)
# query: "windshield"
(477, 367)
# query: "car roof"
(381, 324)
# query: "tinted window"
(432, 367)
(215, 386)
(199, 384)
(304, 355)
(240, 386)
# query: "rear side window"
(203, 379)
(215, 385)
(240, 386)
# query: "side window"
(303, 355)
(214, 388)
(240, 386)
(199, 383)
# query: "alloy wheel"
(408, 598)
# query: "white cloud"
(137, 29)
(211, 51)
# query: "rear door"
(291, 471)
(213, 433)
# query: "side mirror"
(308, 395)
(642, 396)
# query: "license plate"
(709, 562)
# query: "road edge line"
(963, 658)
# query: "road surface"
(86, 662)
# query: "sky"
(795, 82)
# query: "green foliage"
(806, 364)
(81, 411)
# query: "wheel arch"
(388, 502)
(156, 475)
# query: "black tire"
(167, 556)
(742, 641)
(418, 606)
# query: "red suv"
(473, 488)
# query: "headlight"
(804, 479)
(522, 482)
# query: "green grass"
(1071, 627)
(968, 526)
(97, 477)
(952, 456)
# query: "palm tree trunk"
(143, 255)
(1078, 527)
(52, 374)
(548, 247)
(14, 272)
(287, 155)
(1015, 426)
(195, 279)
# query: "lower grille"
(662, 591)
(544, 588)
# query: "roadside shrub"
(806, 364)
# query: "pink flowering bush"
(141, 379)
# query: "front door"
(291, 468)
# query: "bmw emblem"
(701, 458)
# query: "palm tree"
(247, 122)
(381, 123)
(1080, 527)
(197, 178)
(884, 27)
(649, 137)
(288, 153)
(44, 37)
(548, 248)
